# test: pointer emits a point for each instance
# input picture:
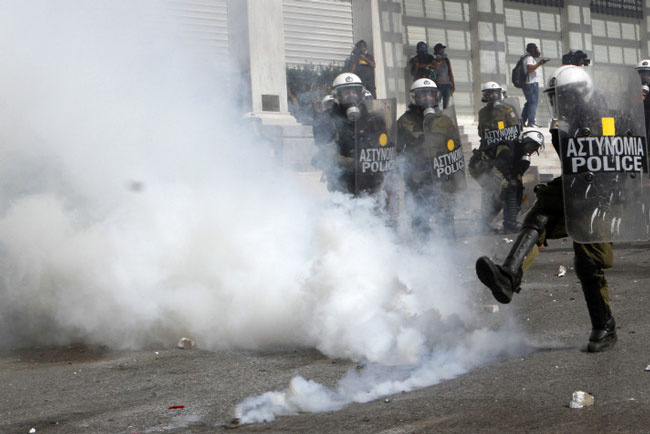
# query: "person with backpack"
(444, 75)
(531, 86)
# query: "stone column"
(256, 33)
(487, 23)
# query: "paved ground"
(91, 390)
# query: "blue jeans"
(445, 93)
(531, 92)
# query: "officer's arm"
(404, 137)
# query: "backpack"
(519, 74)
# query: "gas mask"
(427, 100)
(350, 97)
(492, 96)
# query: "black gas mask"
(644, 75)
(492, 96)
(426, 99)
(350, 97)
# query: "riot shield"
(444, 150)
(604, 154)
(374, 145)
(513, 102)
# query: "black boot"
(603, 326)
(602, 339)
(504, 280)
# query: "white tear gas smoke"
(134, 210)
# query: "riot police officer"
(643, 68)
(495, 164)
(341, 130)
(546, 220)
(431, 154)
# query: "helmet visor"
(492, 95)
(350, 95)
(426, 98)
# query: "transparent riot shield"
(444, 150)
(374, 145)
(513, 102)
(604, 154)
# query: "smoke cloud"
(135, 210)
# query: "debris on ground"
(234, 423)
(172, 407)
(32, 431)
(647, 368)
(492, 308)
(186, 344)
(581, 399)
(508, 240)
(561, 271)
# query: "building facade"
(484, 39)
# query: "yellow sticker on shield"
(609, 127)
(383, 139)
(501, 125)
(450, 144)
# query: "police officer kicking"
(600, 141)
(499, 163)
(354, 151)
(431, 158)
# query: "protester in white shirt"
(531, 88)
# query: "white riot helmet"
(575, 84)
(643, 68)
(532, 140)
(491, 92)
(327, 102)
(348, 92)
(424, 94)
(252, 123)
